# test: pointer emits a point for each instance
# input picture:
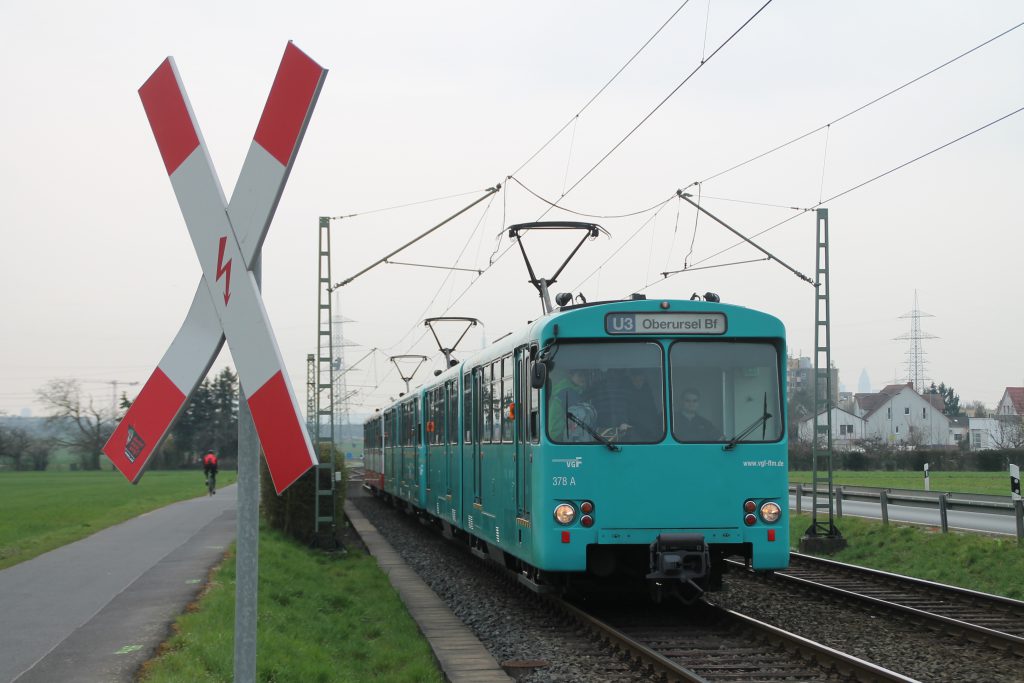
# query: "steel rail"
(661, 664)
(822, 655)
(993, 636)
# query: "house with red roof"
(902, 417)
(1012, 402)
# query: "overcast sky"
(427, 100)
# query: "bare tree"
(84, 427)
(977, 408)
(22, 450)
(1010, 433)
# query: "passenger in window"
(569, 397)
(627, 408)
(689, 426)
(643, 415)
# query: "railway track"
(708, 643)
(981, 617)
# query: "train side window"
(478, 405)
(452, 400)
(441, 418)
(495, 392)
(467, 408)
(534, 415)
(417, 426)
(507, 398)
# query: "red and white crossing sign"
(227, 238)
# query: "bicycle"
(211, 483)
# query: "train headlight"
(770, 512)
(565, 513)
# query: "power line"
(926, 154)
(858, 186)
(616, 252)
(402, 206)
(494, 260)
(603, 88)
(861, 107)
(667, 98)
(590, 215)
(490, 191)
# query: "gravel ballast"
(514, 626)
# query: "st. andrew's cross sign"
(227, 238)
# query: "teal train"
(630, 442)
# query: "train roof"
(741, 320)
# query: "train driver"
(690, 426)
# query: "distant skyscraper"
(864, 383)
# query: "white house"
(847, 428)
(899, 415)
(959, 429)
(985, 433)
(1012, 402)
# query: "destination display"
(667, 322)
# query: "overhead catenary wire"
(666, 98)
(434, 298)
(494, 259)
(847, 191)
(591, 215)
(746, 239)
(575, 116)
(621, 247)
(490, 191)
(403, 206)
(861, 107)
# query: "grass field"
(975, 561)
(45, 510)
(997, 483)
(321, 618)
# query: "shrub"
(294, 512)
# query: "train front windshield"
(614, 392)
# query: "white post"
(927, 484)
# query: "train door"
(390, 447)
(467, 439)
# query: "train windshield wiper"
(594, 433)
(763, 420)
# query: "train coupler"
(680, 565)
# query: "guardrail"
(941, 500)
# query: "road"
(967, 521)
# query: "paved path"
(94, 610)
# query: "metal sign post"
(228, 237)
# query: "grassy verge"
(45, 510)
(321, 618)
(975, 561)
(997, 483)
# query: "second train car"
(637, 440)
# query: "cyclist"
(210, 470)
